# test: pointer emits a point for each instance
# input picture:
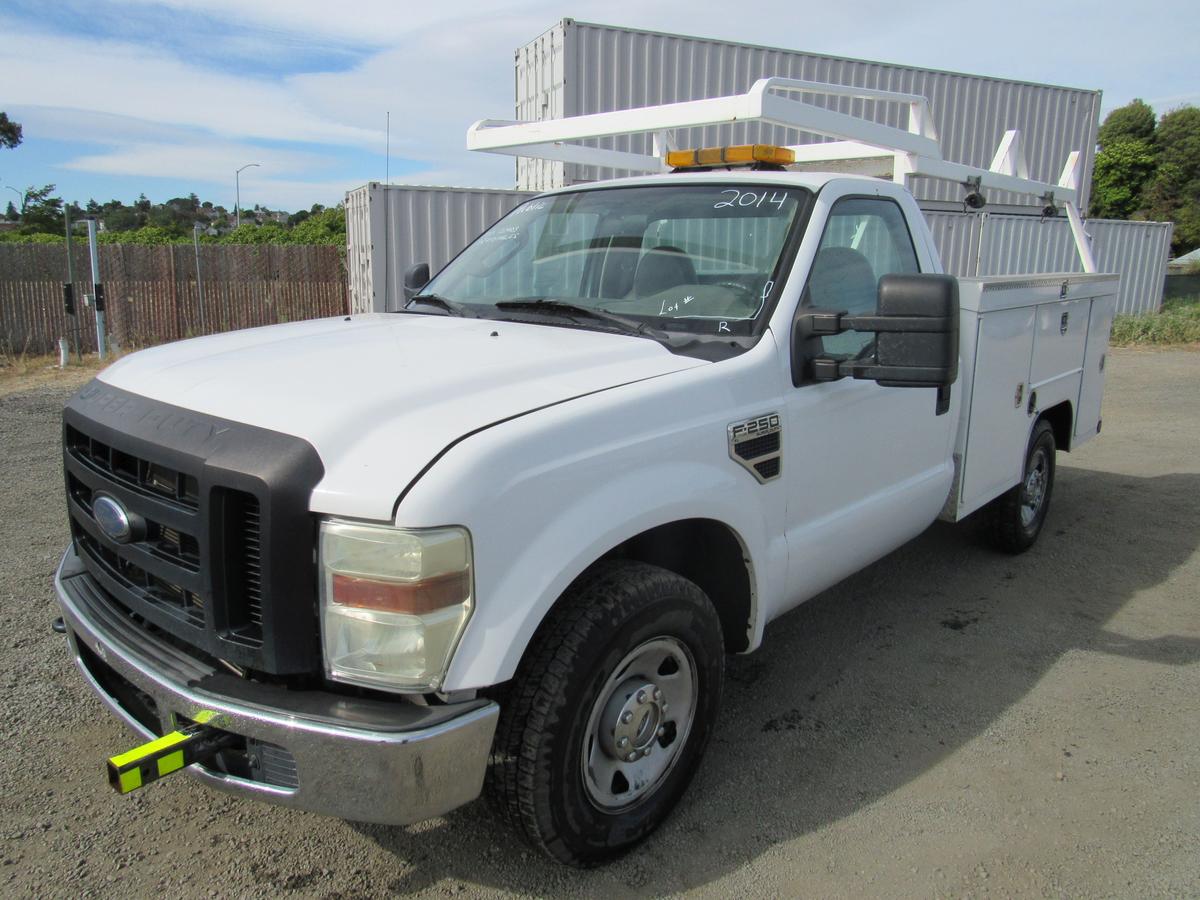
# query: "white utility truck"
(364, 565)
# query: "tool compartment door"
(998, 428)
(1091, 391)
(1058, 347)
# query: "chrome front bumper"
(366, 760)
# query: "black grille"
(759, 446)
(221, 556)
(163, 594)
(243, 518)
(768, 468)
(128, 470)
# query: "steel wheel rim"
(655, 730)
(1033, 489)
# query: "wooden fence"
(152, 294)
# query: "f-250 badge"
(756, 445)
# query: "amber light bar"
(726, 156)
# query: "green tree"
(325, 227)
(1133, 121)
(10, 132)
(11, 213)
(1173, 194)
(1123, 168)
(40, 211)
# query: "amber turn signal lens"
(412, 598)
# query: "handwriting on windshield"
(676, 306)
(507, 233)
(753, 199)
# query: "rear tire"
(1016, 517)
(609, 713)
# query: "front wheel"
(1016, 517)
(609, 713)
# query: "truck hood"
(380, 396)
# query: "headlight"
(393, 603)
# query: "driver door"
(866, 466)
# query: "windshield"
(701, 258)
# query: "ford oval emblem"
(113, 519)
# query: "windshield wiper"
(452, 308)
(562, 308)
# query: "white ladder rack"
(914, 152)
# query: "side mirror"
(415, 278)
(916, 327)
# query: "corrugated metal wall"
(1139, 251)
(957, 238)
(577, 68)
(994, 244)
(361, 232)
(392, 227)
(1012, 245)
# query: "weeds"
(1178, 322)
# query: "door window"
(865, 239)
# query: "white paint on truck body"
(554, 445)
(429, 380)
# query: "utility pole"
(69, 285)
(97, 289)
(196, 228)
(237, 185)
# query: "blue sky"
(168, 97)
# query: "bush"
(148, 234)
(252, 233)
(325, 227)
(16, 237)
(1178, 322)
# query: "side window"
(864, 239)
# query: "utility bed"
(1028, 343)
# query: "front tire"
(1016, 517)
(609, 713)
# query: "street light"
(237, 203)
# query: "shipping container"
(390, 227)
(577, 68)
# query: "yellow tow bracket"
(170, 753)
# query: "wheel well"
(1061, 420)
(709, 554)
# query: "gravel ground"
(949, 721)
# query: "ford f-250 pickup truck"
(364, 565)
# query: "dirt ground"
(948, 722)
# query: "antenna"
(387, 149)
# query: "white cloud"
(145, 83)
(375, 23)
(213, 163)
(439, 67)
